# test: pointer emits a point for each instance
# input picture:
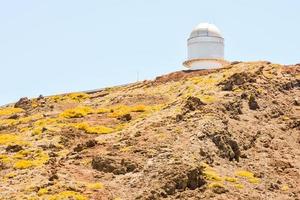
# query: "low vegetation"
(121, 110)
(77, 112)
(67, 195)
(9, 139)
(93, 129)
(249, 176)
(35, 159)
(76, 97)
(10, 111)
(95, 186)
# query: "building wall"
(205, 64)
(205, 48)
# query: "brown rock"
(193, 103)
(219, 190)
(15, 116)
(125, 118)
(13, 148)
(296, 102)
(236, 79)
(179, 117)
(23, 103)
(91, 143)
(253, 105)
(113, 165)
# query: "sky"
(56, 46)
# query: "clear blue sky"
(55, 46)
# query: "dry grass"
(77, 112)
(10, 111)
(67, 195)
(93, 129)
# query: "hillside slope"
(230, 133)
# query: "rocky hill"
(230, 133)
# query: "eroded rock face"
(190, 178)
(234, 108)
(174, 180)
(295, 124)
(237, 79)
(113, 165)
(218, 133)
(192, 103)
(290, 85)
(229, 148)
(88, 144)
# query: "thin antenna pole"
(137, 76)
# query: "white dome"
(204, 30)
(205, 47)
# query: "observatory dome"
(205, 47)
(205, 29)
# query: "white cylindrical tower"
(205, 47)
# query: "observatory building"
(205, 48)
